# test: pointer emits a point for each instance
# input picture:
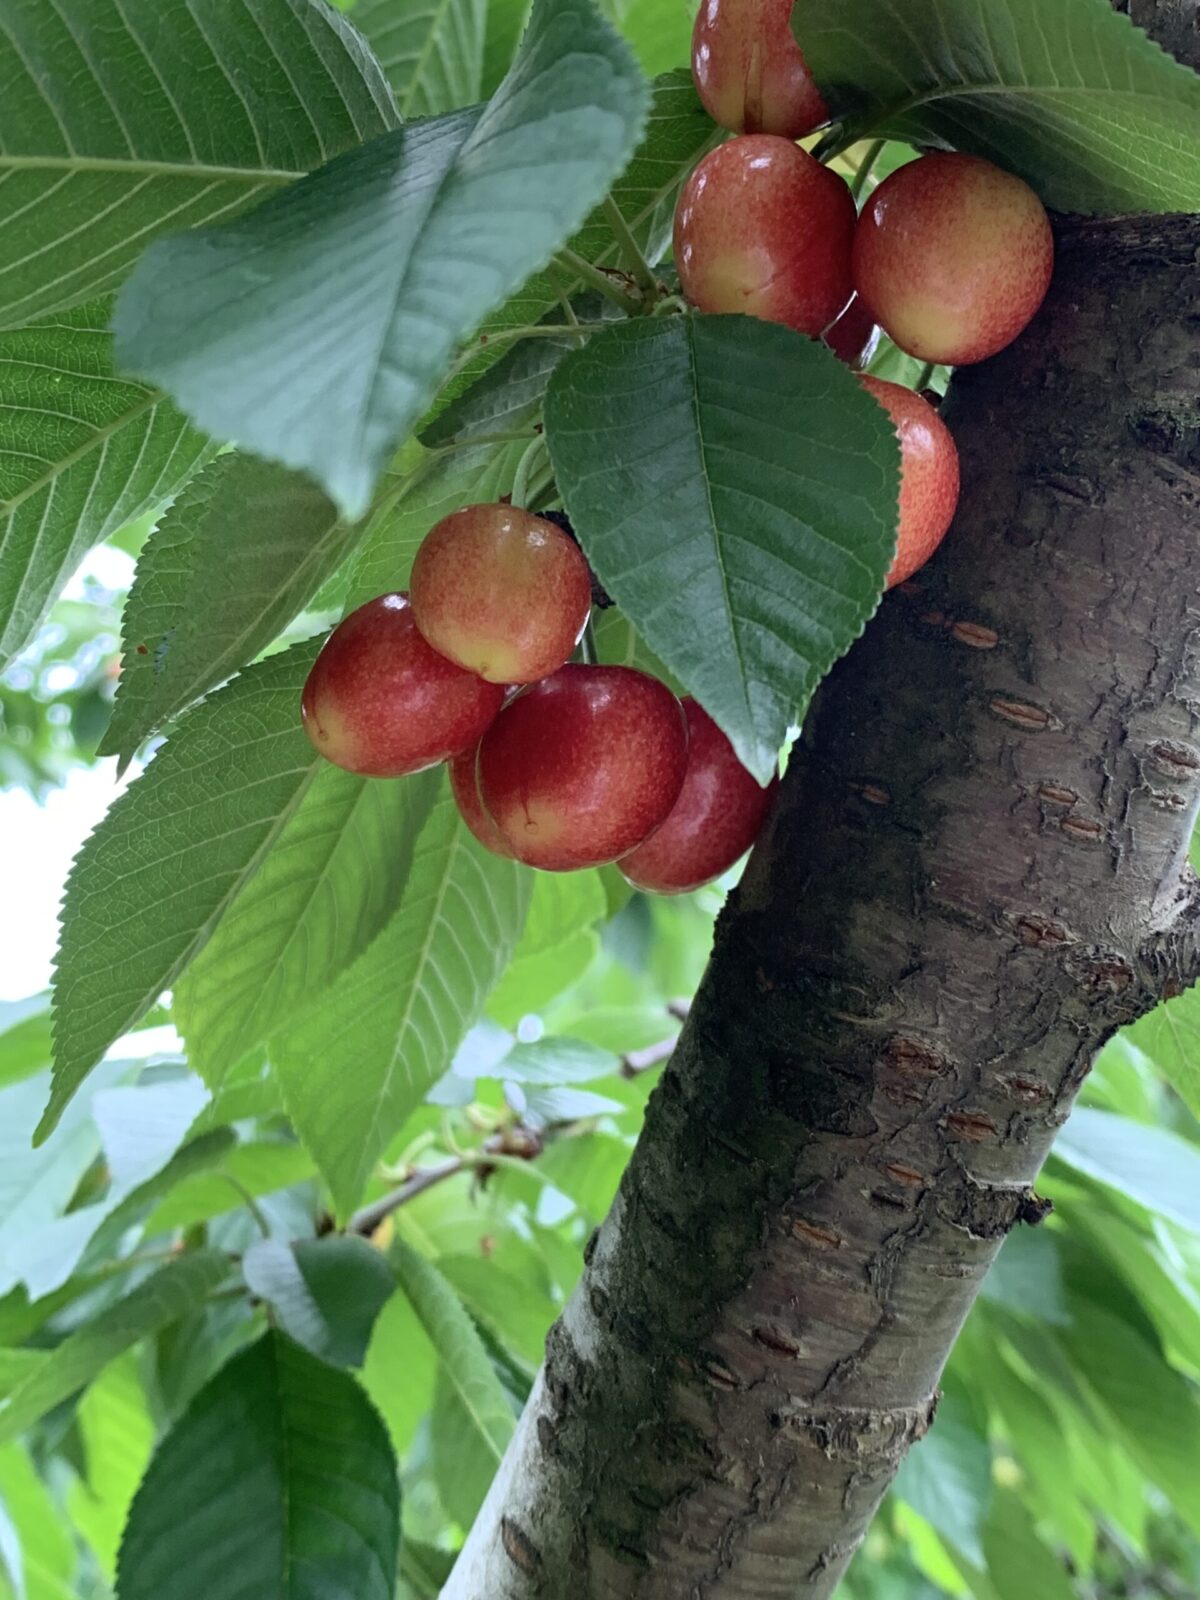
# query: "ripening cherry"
(464, 785)
(750, 72)
(928, 476)
(501, 592)
(382, 702)
(953, 256)
(764, 229)
(854, 336)
(713, 823)
(580, 768)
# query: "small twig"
(635, 1062)
(597, 278)
(512, 1148)
(631, 252)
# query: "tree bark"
(977, 871)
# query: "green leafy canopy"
(426, 230)
(1066, 93)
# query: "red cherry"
(750, 72)
(764, 229)
(928, 476)
(953, 256)
(502, 593)
(583, 766)
(381, 702)
(713, 823)
(854, 336)
(464, 785)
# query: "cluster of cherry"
(564, 764)
(555, 763)
(950, 256)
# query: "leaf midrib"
(138, 167)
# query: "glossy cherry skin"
(464, 785)
(580, 768)
(854, 336)
(764, 229)
(714, 822)
(928, 476)
(954, 257)
(750, 72)
(501, 592)
(382, 702)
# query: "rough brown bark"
(978, 869)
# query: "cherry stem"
(924, 377)
(524, 480)
(587, 643)
(636, 264)
(862, 176)
(601, 281)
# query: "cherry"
(854, 336)
(580, 768)
(953, 256)
(750, 72)
(763, 228)
(464, 785)
(713, 823)
(501, 592)
(928, 476)
(381, 702)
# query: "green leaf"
(619, 643)
(1066, 93)
(118, 1437)
(1170, 1036)
(504, 399)
(48, 1554)
(125, 119)
(399, 1371)
(735, 489)
(82, 452)
(677, 134)
(353, 1068)
(157, 875)
(465, 1363)
(556, 1061)
(326, 1293)
(1153, 1408)
(431, 51)
(172, 1292)
(260, 1167)
(1027, 1277)
(1018, 1562)
(435, 224)
(432, 486)
(1154, 1167)
(240, 552)
(947, 1478)
(279, 1480)
(328, 887)
(25, 1041)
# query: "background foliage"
(335, 1098)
